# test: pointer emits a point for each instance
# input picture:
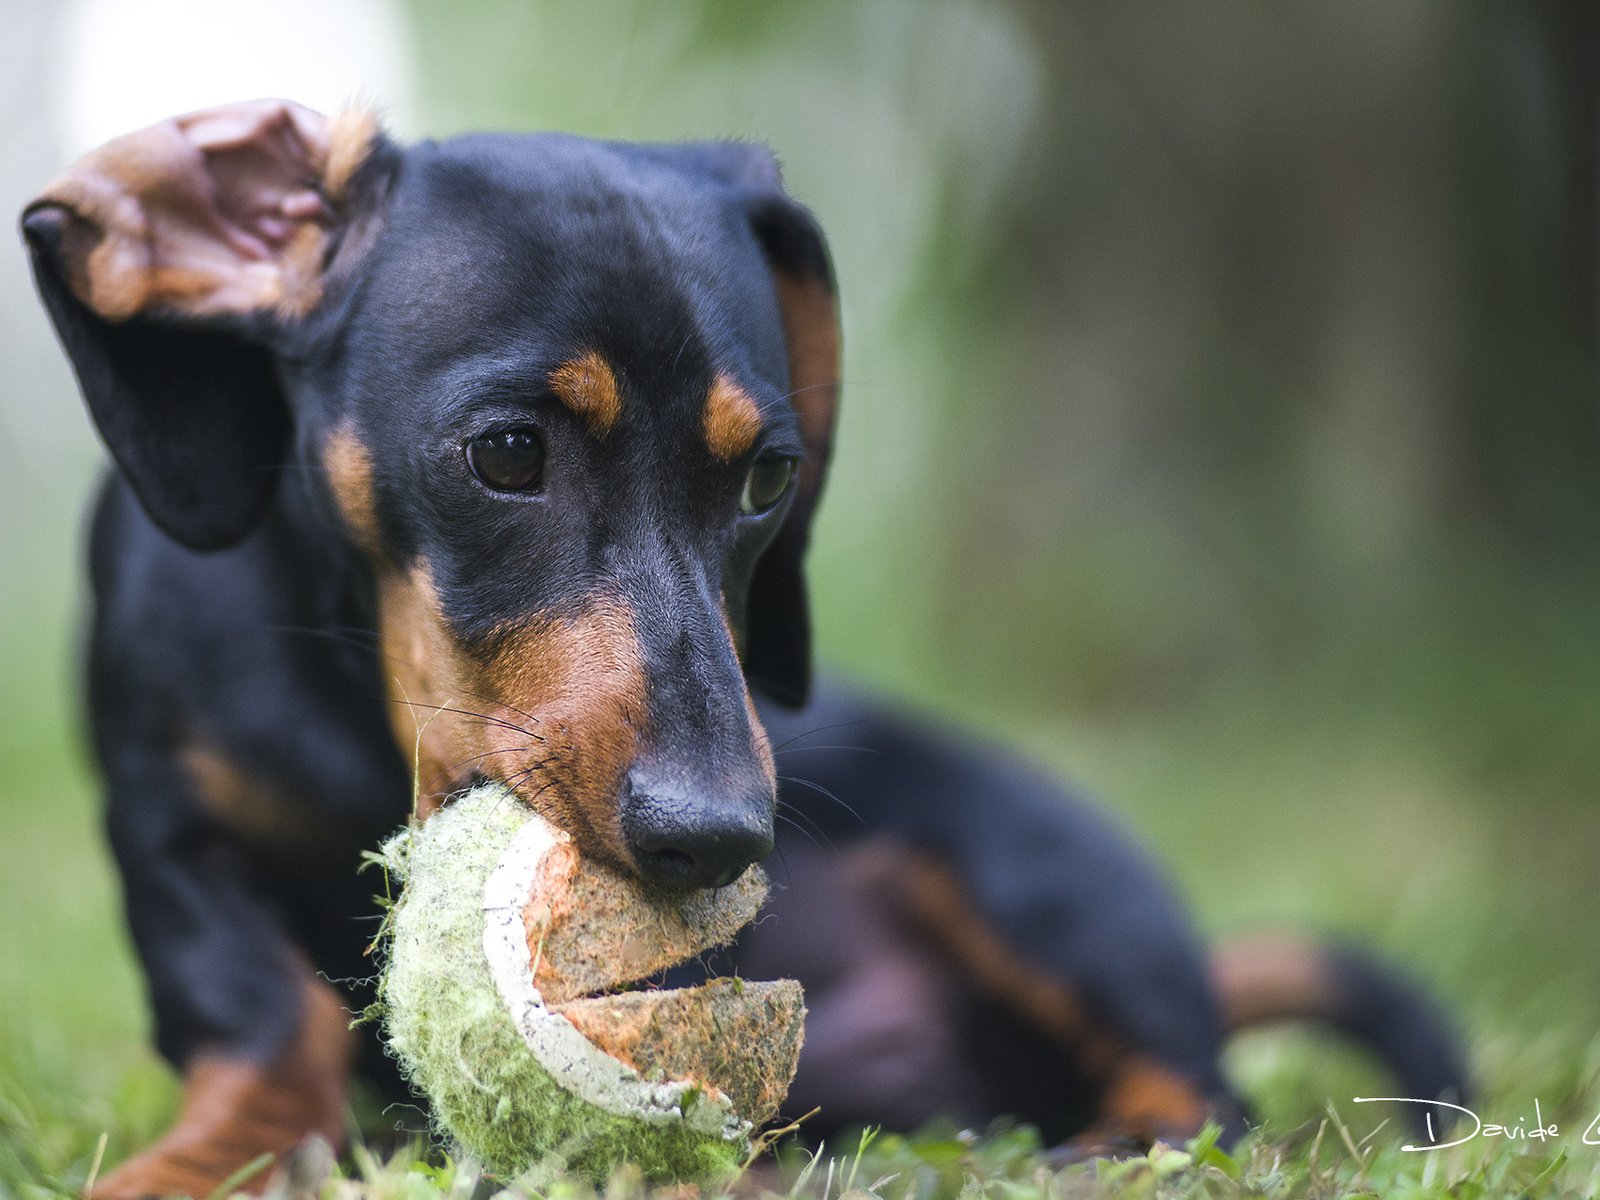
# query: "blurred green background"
(1220, 429)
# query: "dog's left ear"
(777, 650)
(163, 258)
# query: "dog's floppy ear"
(159, 256)
(777, 651)
(778, 626)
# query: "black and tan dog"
(495, 457)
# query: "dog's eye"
(511, 460)
(768, 480)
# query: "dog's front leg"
(263, 1046)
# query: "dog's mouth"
(693, 972)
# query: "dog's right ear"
(777, 629)
(163, 258)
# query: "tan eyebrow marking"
(731, 419)
(349, 467)
(588, 386)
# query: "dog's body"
(496, 458)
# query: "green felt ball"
(515, 1079)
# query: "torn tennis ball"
(503, 958)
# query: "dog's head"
(571, 401)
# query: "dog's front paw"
(232, 1144)
(240, 1118)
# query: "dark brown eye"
(510, 460)
(768, 480)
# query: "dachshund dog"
(495, 457)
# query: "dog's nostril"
(695, 844)
(674, 868)
(670, 863)
(690, 861)
(724, 877)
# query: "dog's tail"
(1261, 978)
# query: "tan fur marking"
(349, 467)
(730, 420)
(235, 1110)
(1267, 977)
(562, 704)
(759, 741)
(584, 679)
(1141, 1097)
(424, 672)
(256, 810)
(932, 896)
(1153, 1102)
(300, 270)
(588, 386)
(351, 135)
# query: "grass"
(1323, 1160)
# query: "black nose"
(690, 837)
